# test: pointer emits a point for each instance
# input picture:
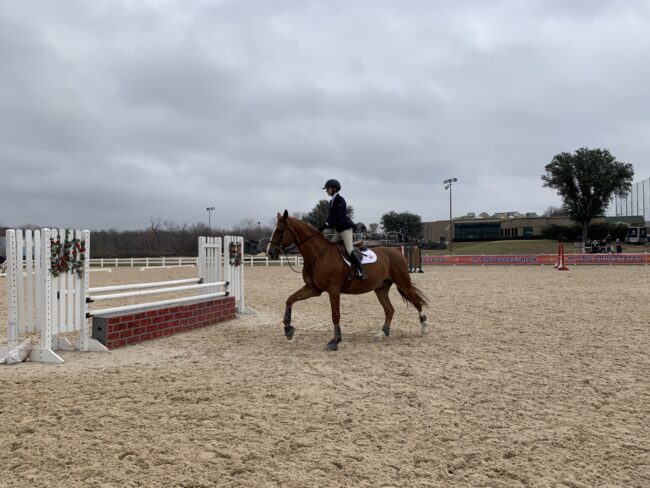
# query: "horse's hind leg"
(302, 294)
(384, 299)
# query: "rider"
(342, 224)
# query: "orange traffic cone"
(560, 265)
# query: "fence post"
(200, 264)
(12, 287)
(84, 341)
(44, 352)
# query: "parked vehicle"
(636, 234)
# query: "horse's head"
(282, 236)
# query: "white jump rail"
(139, 286)
(145, 268)
(146, 264)
(158, 304)
(172, 289)
(210, 276)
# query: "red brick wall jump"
(120, 330)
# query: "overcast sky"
(116, 112)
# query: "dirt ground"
(529, 377)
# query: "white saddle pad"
(369, 257)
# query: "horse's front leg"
(302, 294)
(335, 302)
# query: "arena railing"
(158, 262)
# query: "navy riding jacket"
(338, 217)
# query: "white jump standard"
(52, 305)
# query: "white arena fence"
(58, 307)
(174, 262)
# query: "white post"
(20, 266)
(29, 276)
(38, 278)
(69, 286)
(46, 260)
(59, 296)
(201, 259)
(12, 289)
(86, 342)
(235, 274)
(86, 324)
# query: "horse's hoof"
(425, 329)
(386, 330)
(289, 331)
(332, 345)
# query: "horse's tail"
(419, 296)
(399, 274)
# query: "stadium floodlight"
(209, 209)
(448, 182)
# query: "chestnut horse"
(325, 271)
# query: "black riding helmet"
(332, 184)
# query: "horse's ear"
(286, 214)
(279, 216)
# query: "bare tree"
(152, 237)
(555, 212)
(178, 238)
(299, 215)
(246, 228)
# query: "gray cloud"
(116, 112)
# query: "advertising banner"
(537, 259)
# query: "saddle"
(363, 254)
(358, 247)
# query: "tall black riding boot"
(361, 274)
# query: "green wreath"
(235, 254)
(68, 256)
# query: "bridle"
(297, 243)
(279, 243)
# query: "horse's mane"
(309, 229)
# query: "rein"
(289, 262)
(297, 244)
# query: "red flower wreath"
(68, 256)
(235, 254)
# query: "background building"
(506, 225)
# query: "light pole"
(209, 209)
(448, 182)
